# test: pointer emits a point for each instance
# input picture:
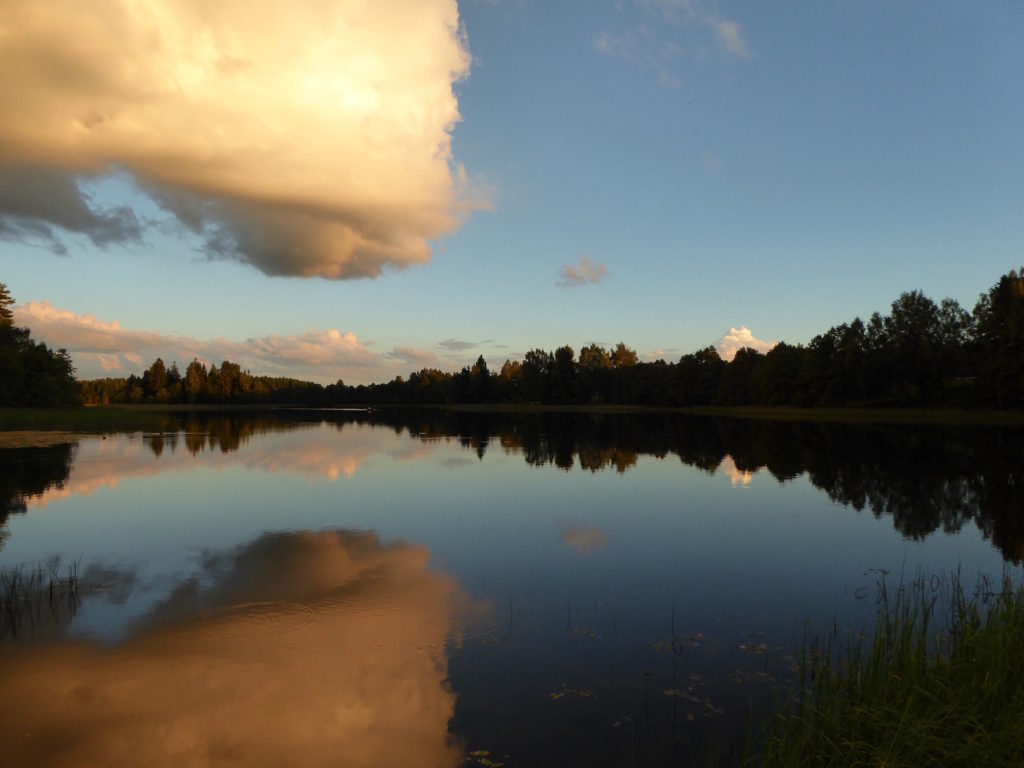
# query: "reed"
(33, 597)
(939, 683)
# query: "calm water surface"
(344, 588)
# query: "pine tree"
(6, 302)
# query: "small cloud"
(729, 37)
(614, 45)
(673, 32)
(412, 356)
(738, 338)
(584, 273)
(710, 160)
(457, 345)
(660, 354)
(586, 540)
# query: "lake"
(424, 588)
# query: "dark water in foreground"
(343, 588)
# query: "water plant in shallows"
(34, 597)
(938, 683)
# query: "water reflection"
(924, 478)
(584, 539)
(650, 575)
(296, 649)
(26, 474)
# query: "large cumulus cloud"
(305, 138)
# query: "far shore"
(161, 417)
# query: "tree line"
(225, 384)
(32, 374)
(921, 353)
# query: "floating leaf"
(712, 708)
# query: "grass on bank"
(98, 419)
(941, 683)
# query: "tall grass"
(940, 683)
(31, 598)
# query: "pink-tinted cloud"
(96, 345)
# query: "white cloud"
(95, 346)
(669, 31)
(661, 354)
(586, 272)
(738, 338)
(729, 37)
(301, 137)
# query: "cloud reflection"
(312, 451)
(305, 649)
(586, 540)
(736, 475)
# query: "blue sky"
(783, 167)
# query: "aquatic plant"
(33, 597)
(937, 684)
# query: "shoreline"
(157, 417)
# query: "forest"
(32, 374)
(920, 354)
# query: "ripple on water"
(248, 620)
(470, 620)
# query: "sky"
(360, 189)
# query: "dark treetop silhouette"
(920, 354)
